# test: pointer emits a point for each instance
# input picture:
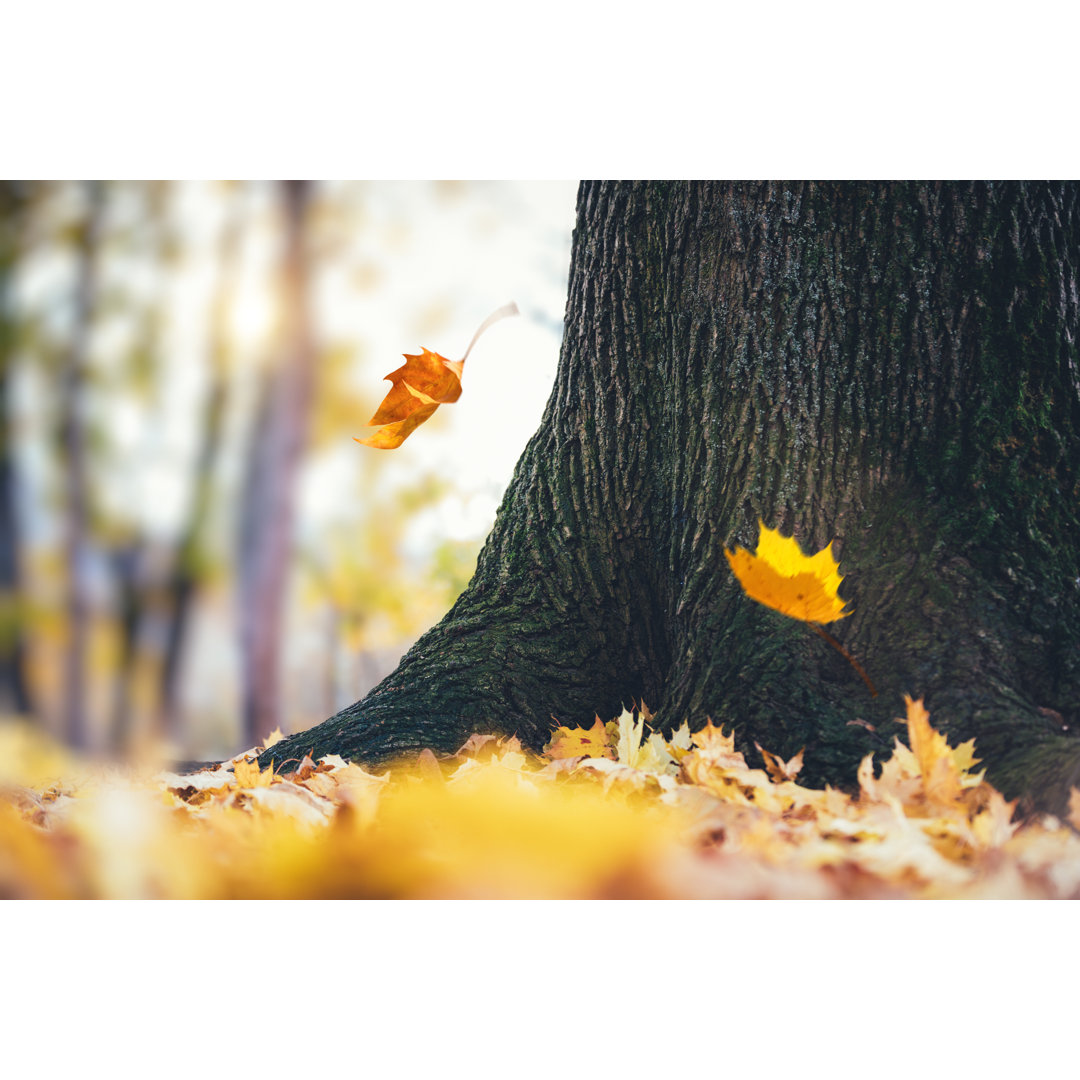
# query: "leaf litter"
(629, 813)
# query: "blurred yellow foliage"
(683, 816)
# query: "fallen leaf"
(204, 780)
(577, 742)
(332, 761)
(680, 742)
(248, 776)
(474, 746)
(944, 769)
(779, 769)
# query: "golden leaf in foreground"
(780, 576)
(944, 769)
(248, 776)
(577, 742)
(507, 824)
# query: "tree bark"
(276, 447)
(891, 366)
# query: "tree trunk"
(127, 562)
(74, 442)
(14, 691)
(892, 366)
(190, 561)
(276, 447)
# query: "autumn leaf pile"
(611, 811)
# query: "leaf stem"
(494, 317)
(847, 656)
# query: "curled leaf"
(424, 382)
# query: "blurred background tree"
(192, 548)
(15, 197)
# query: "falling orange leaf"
(424, 382)
(780, 576)
(577, 742)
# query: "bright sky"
(413, 263)
(444, 260)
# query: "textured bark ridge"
(891, 366)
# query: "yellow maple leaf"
(273, 738)
(944, 769)
(715, 764)
(248, 776)
(780, 576)
(679, 743)
(577, 742)
(716, 746)
(636, 752)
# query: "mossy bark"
(891, 366)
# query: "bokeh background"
(193, 549)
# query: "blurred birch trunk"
(191, 557)
(276, 447)
(73, 437)
(14, 691)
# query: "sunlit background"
(149, 394)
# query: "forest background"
(151, 452)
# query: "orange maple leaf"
(780, 576)
(569, 742)
(424, 382)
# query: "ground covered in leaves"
(608, 812)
